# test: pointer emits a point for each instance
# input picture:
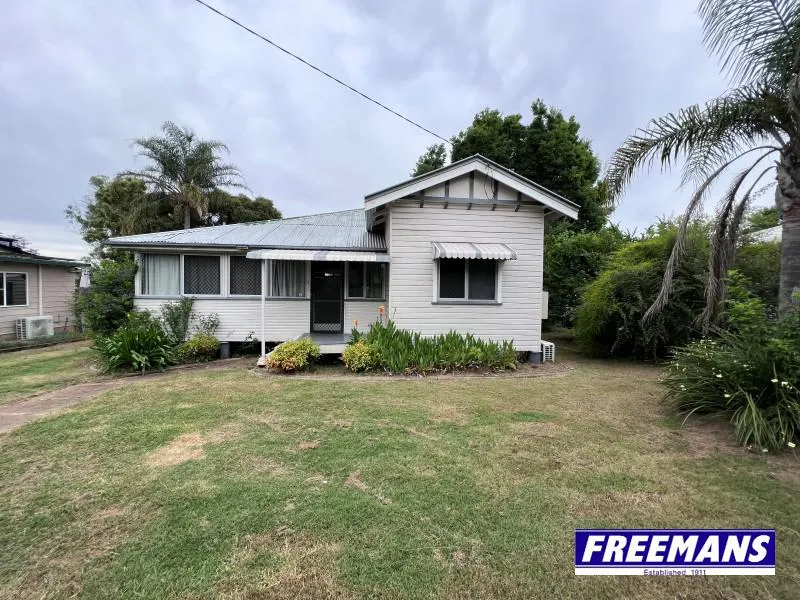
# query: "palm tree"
(186, 169)
(754, 128)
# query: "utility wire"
(325, 73)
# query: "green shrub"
(295, 355)
(201, 347)
(207, 323)
(104, 306)
(401, 351)
(572, 259)
(140, 344)
(176, 317)
(360, 356)
(761, 264)
(750, 373)
(609, 319)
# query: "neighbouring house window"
(461, 279)
(245, 276)
(201, 275)
(160, 274)
(287, 279)
(365, 280)
(15, 289)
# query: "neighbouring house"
(32, 288)
(459, 248)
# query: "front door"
(327, 297)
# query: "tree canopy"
(122, 205)
(185, 169)
(548, 150)
(433, 158)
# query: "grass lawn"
(32, 371)
(233, 485)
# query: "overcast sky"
(80, 80)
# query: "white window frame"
(364, 297)
(221, 276)
(498, 279)
(27, 289)
(306, 280)
(139, 263)
(229, 260)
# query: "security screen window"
(461, 279)
(245, 277)
(201, 275)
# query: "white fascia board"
(533, 193)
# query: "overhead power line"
(322, 72)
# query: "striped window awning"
(473, 251)
(323, 255)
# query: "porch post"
(262, 362)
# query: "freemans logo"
(674, 552)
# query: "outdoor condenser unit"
(34, 327)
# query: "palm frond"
(723, 240)
(186, 168)
(753, 38)
(694, 204)
(680, 240)
(741, 118)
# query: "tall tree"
(186, 169)
(433, 158)
(548, 150)
(754, 127)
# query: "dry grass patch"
(297, 566)
(354, 481)
(602, 505)
(189, 446)
(308, 445)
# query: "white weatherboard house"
(459, 248)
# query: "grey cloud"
(78, 82)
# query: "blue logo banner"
(675, 551)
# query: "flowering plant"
(749, 372)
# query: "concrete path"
(23, 411)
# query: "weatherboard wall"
(518, 314)
(241, 317)
(58, 290)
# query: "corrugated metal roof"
(772, 234)
(329, 255)
(35, 259)
(470, 250)
(346, 230)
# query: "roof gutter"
(240, 248)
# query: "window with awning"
(468, 271)
(462, 279)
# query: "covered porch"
(341, 288)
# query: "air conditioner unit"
(34, 327)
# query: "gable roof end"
(483, 165)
